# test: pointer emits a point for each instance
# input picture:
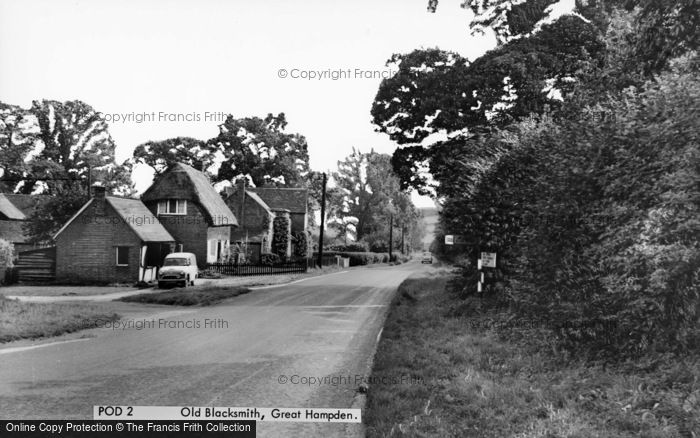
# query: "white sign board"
(449, 239)
(488, 259)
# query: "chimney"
(99, 193)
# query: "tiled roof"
(294, 200)
(140, 219)
(9, 210)
(25, 203)
(184, 182)
(254, 196)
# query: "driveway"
(322, 327)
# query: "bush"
(300, 246)
(270, 259)
(379, 246)
(280, 236)
(594, 217)
(7, 254)
(351, 247)
(360, 258)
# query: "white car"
(427, 258)
(179, 268)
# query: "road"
(321, 327)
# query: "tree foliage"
(57, 148)
(51, 146)
(592, 203)
(251, 147)
(436, 92)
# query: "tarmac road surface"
(268, 348)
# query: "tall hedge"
(280, 236)
(596, 218)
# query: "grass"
(199, 295)
(474, 383)
(21, 320)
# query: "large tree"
(369, 191)
(56, 148)
(262, 150)
(162, 154)
(53, 145)
(250, 147)
(437, 92)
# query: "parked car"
(179, 268)
(427, 258)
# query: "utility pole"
(391, 235)
(323, 222)
(89, 182)
(403, 248)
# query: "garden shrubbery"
(361, 258)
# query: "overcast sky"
(193, 57)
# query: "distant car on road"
(427, 258)
(179, 268)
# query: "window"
(212, 248)
(172, 206)
(122, 256)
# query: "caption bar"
(128, 428)
(309, 415)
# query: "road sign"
(488, 259)
(453, 239)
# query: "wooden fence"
(36, 265)
(241, 270)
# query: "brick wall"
(86, 249)
(190, 230)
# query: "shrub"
(379, 246)
(594, 217)
(270, 259)
(360, 258)
(7, 254)
(300, 246)
(280, 236)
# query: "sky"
(197, 60)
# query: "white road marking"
(32, 347)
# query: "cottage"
(193, 212)
(15, 211)
(294, 200)
(111, 240)
(257, 209)
(255, 220)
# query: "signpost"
(453, 239)
(488, 259)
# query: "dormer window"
(172, 206)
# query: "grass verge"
(21, 320)
(458, 378)
(192, 296)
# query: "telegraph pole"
(391, 234)
(89, 182)
(323, 222)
